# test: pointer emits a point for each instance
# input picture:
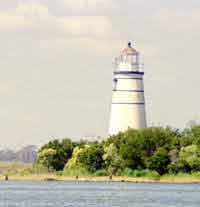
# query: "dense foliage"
(56, 153)
(159, 150)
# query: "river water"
(89, 194)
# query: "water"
(89, 194)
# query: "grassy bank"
(139, 176)
(53, 177)
(29, 172)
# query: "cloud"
(32, 10)
(88, 26)
(36, 17)
(179, 19)
(9, 21)
(89, 6)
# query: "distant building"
(7, 155)
(26, 155)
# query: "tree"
(159, 161)
(46, 156)
(63, 150)
(73, 162)
(181, 165)
(188, 160)
(195, 130)
(136, 146)
(191, 154)
(132, 153)
(153, 138)
(91, 157)
(112, 159)
(160, 149)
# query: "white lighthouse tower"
(128, 102)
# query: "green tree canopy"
(91, 157)
(46, 157)
(63, 148)
(159, 161)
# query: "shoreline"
(50, 178)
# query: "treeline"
(152, 150)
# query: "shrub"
(91, 157)
(159, 161)
(126, 172)
(181, 166)
(75, 172)
(56, 153)
(101, 172)
(138, 173)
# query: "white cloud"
(32, 10)
(91, 6)
(180, 18)
(36, 17)
(88, 26)
(23, 16)
(8, 22)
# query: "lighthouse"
(128, 101)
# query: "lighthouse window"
(114, 84)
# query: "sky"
(56, 64)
